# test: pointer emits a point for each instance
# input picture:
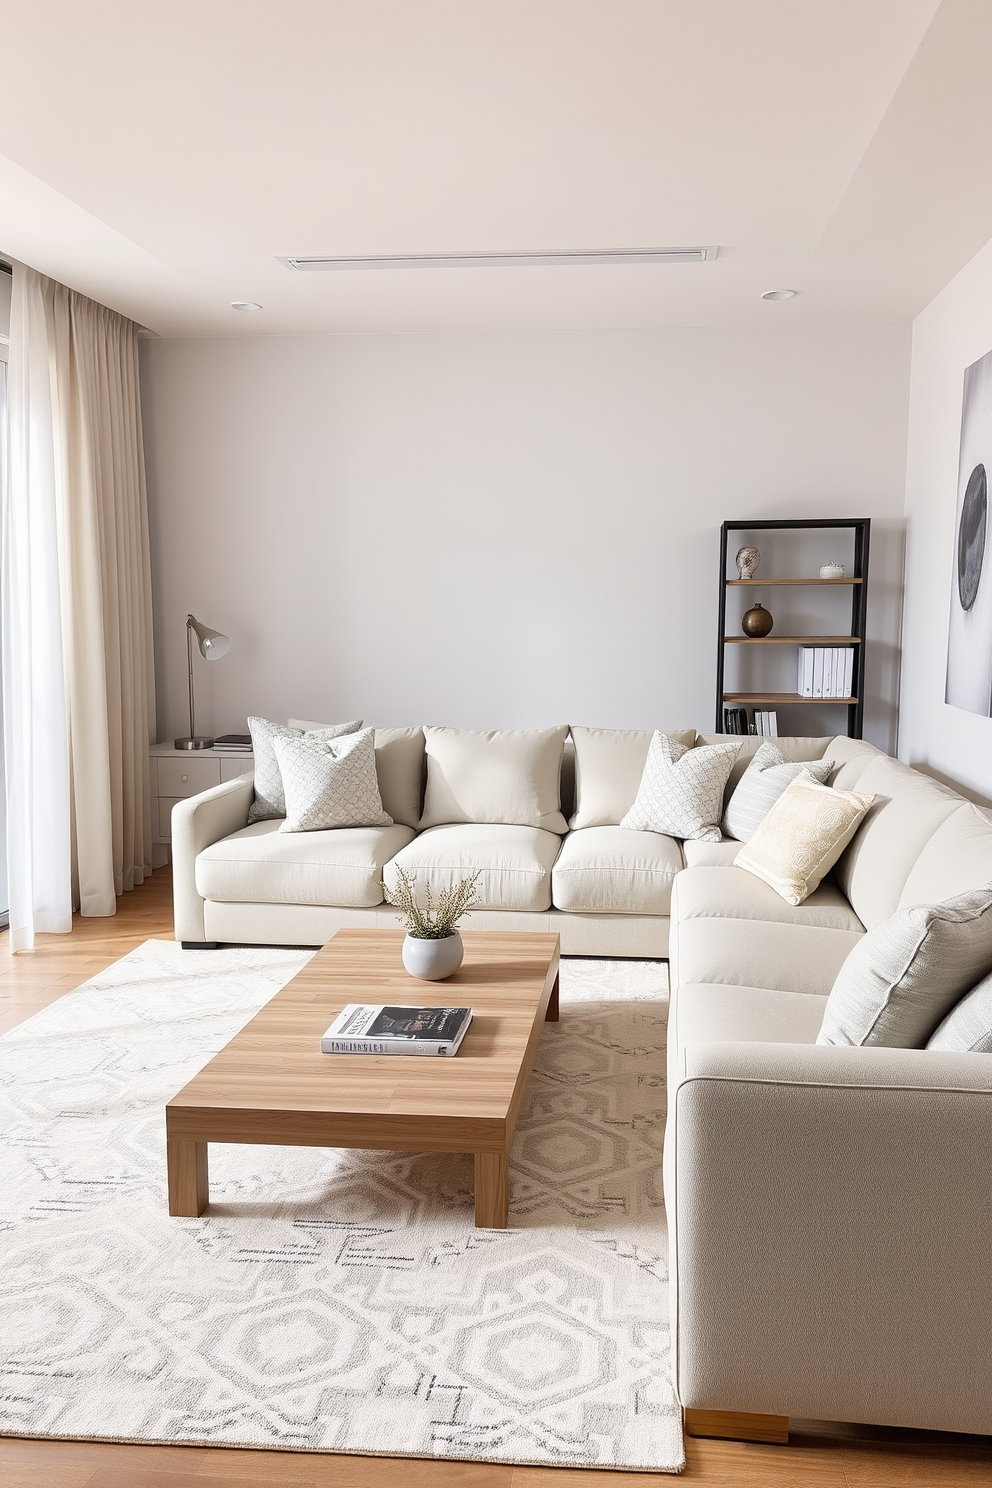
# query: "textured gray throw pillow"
(967, 1029)
(681, 790)
(764, 780)
(906, 973)
(330, 782)
(270, 800)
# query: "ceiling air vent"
(511, 260)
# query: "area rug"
(330, 1300)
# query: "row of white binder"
(826, 671)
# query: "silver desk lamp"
(212, 646)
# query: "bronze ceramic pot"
(757, 622)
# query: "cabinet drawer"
(187, 777)
(230, 769)
(164, 823)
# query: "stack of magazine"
(826, 671)
(373, 1028)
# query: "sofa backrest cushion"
(400, 766)
(852, 757)
(958, 857)
(908, 809)
(609, 764)
(510, 776)
(797, 748)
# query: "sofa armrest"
(830, 1211)
(196, 823)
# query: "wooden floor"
(819, 1455)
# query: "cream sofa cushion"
(713, 1014)
(609, 870)
(908, 809)
(711, 854)
(957, 856)
(261, 865)
(399, 764)
(909, 971)
(757, 953)
(722, 892)
(510, 776)
(513, 863)
(802, 836)
(609, 764)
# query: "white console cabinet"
(177, 773)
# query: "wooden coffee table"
(271, 1085)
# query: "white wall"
(502, 530)
(954, 331)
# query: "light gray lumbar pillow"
(764, 780)
(330, 782)
(681, 790)
(967, 1029)
(906, 973)
(270, 800)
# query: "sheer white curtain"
(77, 637)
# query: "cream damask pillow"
(681, 790)
(329, 782)
(802, 836)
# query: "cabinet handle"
(185, 777)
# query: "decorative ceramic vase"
(433, 960)
(757, 622)
(747, 562)
(832, 571)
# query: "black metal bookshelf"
(856, 581)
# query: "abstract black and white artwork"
(969, 635)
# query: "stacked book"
(766, 724)
(372, 1028)
(826, 671)
(735, 721)
(237, 743)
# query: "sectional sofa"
(830, 1209)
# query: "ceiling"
(161, 156)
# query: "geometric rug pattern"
(333, 1300)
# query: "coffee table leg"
(189, 1184)
(492, 1190)
(551, 1016)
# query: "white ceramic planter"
(433, 960)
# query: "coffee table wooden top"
(272, 1084)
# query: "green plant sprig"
(435, 920)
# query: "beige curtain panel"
(104, 585)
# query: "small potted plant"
(433, 947)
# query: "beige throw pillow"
(512, 777)
(329, 782)
(908, 972)
(802, 836)
(681, 790)
(609, 764)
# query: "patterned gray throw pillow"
(906, 973)
(270, 801)
(330, 782)
(681, 790)
(967, 1029)
(764, 780)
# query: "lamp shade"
(212, 644)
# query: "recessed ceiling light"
(244, 305)
(779, 294)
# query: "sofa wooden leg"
(737, 1426)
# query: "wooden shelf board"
(742, 640)
(784, 699)
(738, 582)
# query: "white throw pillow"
(906, 973)
(270, 801)
(512, 777)
(764, 780)
(681, 790)
(330, 782)
(802, 837)
(967, 1029)
(609, 764)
